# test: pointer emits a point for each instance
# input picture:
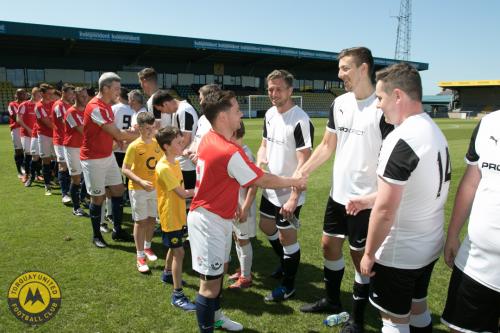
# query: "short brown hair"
(144, 118)
(166, 135)
(360, 55)
(402, 76)
(66, 87)
(148, 74)
(216, 102)
(44, 87)
(281, 74)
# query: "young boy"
(244, 228)
(172, 209)
(139, 166)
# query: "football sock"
(64, 180)
(95, 218)
(421, 323)
(83, 190)
(117, 209)
(277, 247)
(333, 271)
(291, 260)
(75, 198)
(390, 327)
(18, 159)
(359, 301)
(245, 257)
(47, 174)
(27, 165)
(205, 312)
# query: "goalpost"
(262, 102)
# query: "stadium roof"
(20, 39)
(457, 84)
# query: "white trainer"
(229, 325)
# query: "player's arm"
(183, 193)
(291, 204)
(47, 122)
(461, 211)
(321, 154)
(262, 154)
(269, 180)
(359, 203)
(20, 121)
(381, 220)
(247, 204)
(119, 134)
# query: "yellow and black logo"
(175, 240)
(34, 297)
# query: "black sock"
(64, 180)
(290, 267)
(27, 165)
(359, 301)
(95, 218)
(117, 210)
(205, 313)
(46, 171)
(18, 159)
(333, 280)
(34, 167)
(75, 198)
(38, 167)
(426, 329)
(277, 247)
(83, 189)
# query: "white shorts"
(16, 138)
(26, 143)
(247, 229)
(72, 157)
(34, 146)
(45, 146)
(59, 150)
(143, 204)
(99, 173)
(210, 241)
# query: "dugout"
(471, 98)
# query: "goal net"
(262, 103)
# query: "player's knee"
(331, 250)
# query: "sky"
(459, 39)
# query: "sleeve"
(303, 134)
(472, 156)
(37, 112)
(12, 110)
(129, 155)
(185, 121)
(397, 164)
(152, 109)
(385, 128)
(330, 126)
(58, 111)
(100, 116)
(264, 129)
(43, 113)
(21, 110)
(241, 169)
(71, 121)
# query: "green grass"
(103, 292)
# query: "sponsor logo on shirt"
(490, 166)
(351, 130)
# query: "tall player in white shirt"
(354, 132)
(405, 233)
(286, 145)
(473, 303)
(148, 79)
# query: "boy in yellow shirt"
(139, 167)
(172, 208)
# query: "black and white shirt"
(123, 120)
(360, 128)
(164, 118)
(415, 155)
(479, 254)
(186, 119)
(285, 134)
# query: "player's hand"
(243, 215)
(237, 214)
(190, 193)
(29, 131)
(300, 181)
(194, 158)
(357, 204)
(288, 208)
(147, 185)
(450, 250)
(262, 162)
(366, 265)
(186, 153)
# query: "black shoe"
(352, 327)
(321, 306)
(99, 242)
(278, 273)
(122, 236)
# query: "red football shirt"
(72, 119)
(43, 110)
(26, 112)
(96, 142)
(13, 108)
(59, 109)
(222, 168)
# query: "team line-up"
(391, 177)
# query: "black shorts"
(338, 223)
(119, 158)
(271, 211)
(392, 290)
(470, 306)
(189, 179)
(172, 239)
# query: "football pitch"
(103, 292)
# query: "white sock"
(421, 320)
(334, 265)
(147, 245)
(390, 327)
(360, 278)
(246, 258)
(103, 214)
(109, 209)
(274, 236)
(140, 254)
(238, 251)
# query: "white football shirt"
(164, 118)
(186, 119)
(123, 120)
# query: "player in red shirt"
(222, 169)
(15, 130)
(73, 138)
(26, 118)
(100, 169)
(58, 112)
(44, 121)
